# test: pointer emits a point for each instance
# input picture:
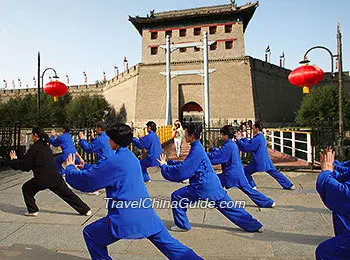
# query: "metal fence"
(10, 139)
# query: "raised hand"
(70, 160)
(81, 135)
(13, 155)
(82, 162)
(162, 160)
(327, 159)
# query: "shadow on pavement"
(169, 224)
(12, 209)
(302, 209)
(30, 252)
(273, 236)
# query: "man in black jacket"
(40, 160)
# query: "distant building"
(241, 88)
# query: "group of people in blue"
(123, 176)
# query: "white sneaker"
(273, 205)
(88, 213)
(97, 193)
(292, 188)
(260, 230)
(186, 181)
(254, 188)
(33, 214)
(147, 181)
(177, 229)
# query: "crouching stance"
(130, 212)
(334, 189)
(232, 169)
(204, 185)
(261, 160)
(40, 160)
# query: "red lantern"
(55, 89)
(306, 76)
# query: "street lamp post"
(41, 76)
(339, 56)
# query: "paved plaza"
(292, 229)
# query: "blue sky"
(74, 36)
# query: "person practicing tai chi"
(178, 136)
(130, 211)
(333, 187)
(98, 145)
(232, 169)
(204, 185)
(66, 143)
(261, 161)
(40, 160)
(153, 147)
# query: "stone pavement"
(293, 228)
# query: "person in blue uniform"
(40, 160)
(261, 160)
(153, 147)
(130, 211)
(98, 145)
(232, 169)
(334, 189)
(66, 143)
(342, 166)
(204, 185)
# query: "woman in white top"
(177, 135)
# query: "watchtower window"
(228, 28)
(228, 45)
(214, 46)
(170, 33)
(182, 32)
(154, 50)
(212, 29)
(154, 35)
(197, 31)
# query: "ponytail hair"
(259, 125)
(43, 137)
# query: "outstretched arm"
(90, 178)
(182, 170)
(91, 147)
(247, 146)
(218, 156)
(142, 143)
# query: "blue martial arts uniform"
(261, 160)
(233, 174)
(98, 145)
(66, 143)
(204, 185)
(334, 190)
(342, 166)
(153, 147)
(130, 212)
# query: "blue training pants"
(256, 196)
(146, 163)
(336, 248)
(238, 216)
(250, 169)
(98, 236)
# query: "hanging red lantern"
(56, 89)
(306, 76)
